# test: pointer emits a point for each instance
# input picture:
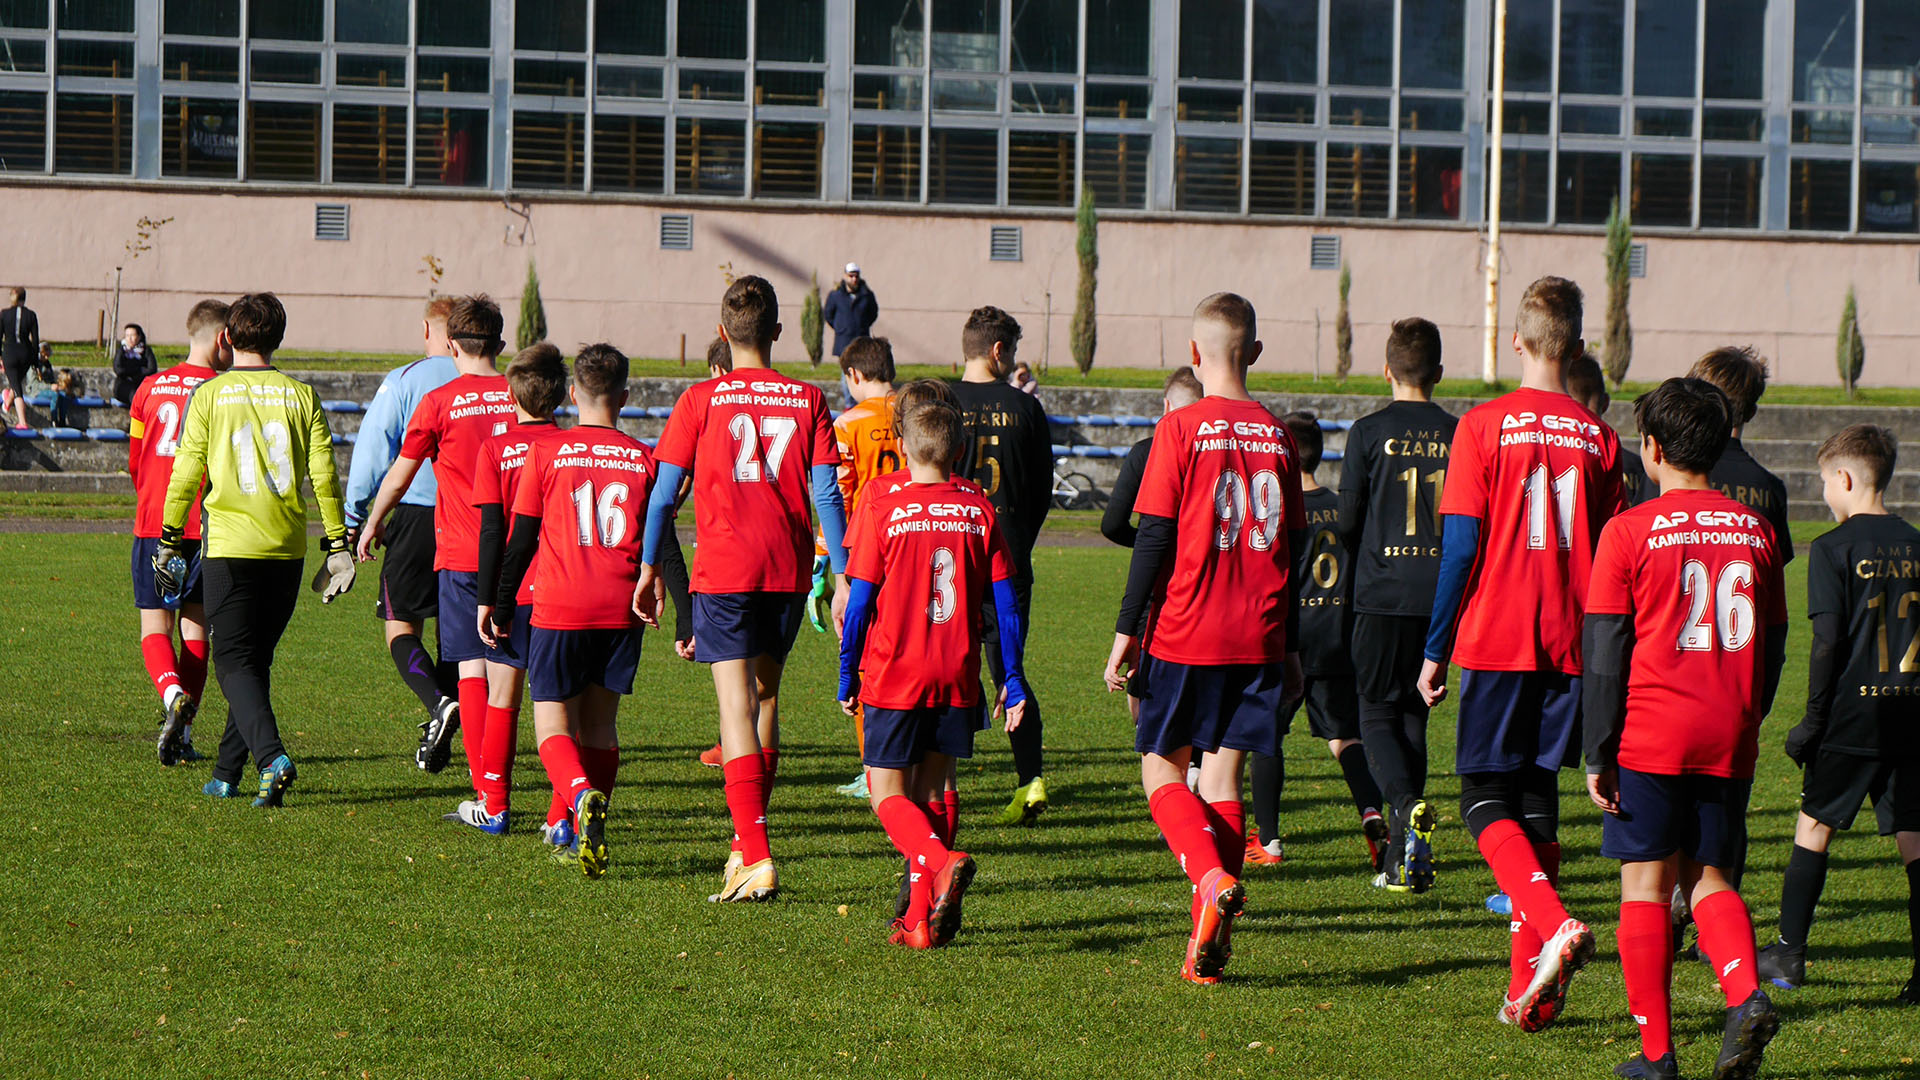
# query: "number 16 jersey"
(589, 488)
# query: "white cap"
(853, 268)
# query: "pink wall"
(604, 277)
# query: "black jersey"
(1326, 589)
(1748, 483)
(1009, 453)
(1638, 486)
(1394, 469)
(1866, 571)
(1116, 523)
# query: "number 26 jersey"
(589, 488)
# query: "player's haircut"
(1549, 322)
(719, 355)
(537, 376)
(919, 394)
(1233, 316)
(933, 434)
(1869, 448)
(872, 357)
(1691, 420)
(1183, 388)
(256, 323)
(1740, 373)
(1305, 427)
(206, 319)
(1413, 352)
(600, 371)
(986, 327)
(475, 324)
(438, 309)
(1586, 385)
(749, 313)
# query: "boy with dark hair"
(1859, 739)
(1391, 476)
(1531, 478)
(1009, 453)
(1588, 386)
(1740, 372)
(584, 643)
(153, 428)
(917, 688)
(253, 435)
(1220, 521)
(449, 426)
(1685, 633)
(1116, 522)
(760, 447)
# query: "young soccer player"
(1531, 478)
(585, 643)
(154, 418)
(1858, 739)
(719, 362)
(409, 586)
(1588, 386)
(910, 656)
(758, 445)
(1391, 476)
(1685, 632)
(1741, 373)
(254, 435)
(1010, 455)
(1220, 520)
(449, 426)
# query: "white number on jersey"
(941, 608)
(608, 512)
(778, 432)
(279, 472)
(167, 415)
(1231, 505)
(1565, 487)
(1733, 615)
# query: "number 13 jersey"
(1543, 476)
(1228, 475)
(589, 488)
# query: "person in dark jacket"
(132, 362)
(19, 349)
(850, 309)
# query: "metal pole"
(1489, 360)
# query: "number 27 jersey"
(589, 487)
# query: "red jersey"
(1228, 475)
(1543, 475)
(934, 550)
(589, 487)
(1701, 576)
(448, 426)
(751, 438)
(153, 426)
(496, 479)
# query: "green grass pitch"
(148, 931)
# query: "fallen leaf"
(842, 909)
(1255, 1045)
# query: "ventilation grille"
(676, 232)
(329, 221)
(1323, 253)
(1003, 244)
(1637, 261)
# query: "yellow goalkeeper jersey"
(255, 434)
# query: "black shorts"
(1387, 653)
(1333, 710)
(1209, 707)
(1510, 720)
(561, 664)
(1701, 817)
(741, 626)
(17, 374)
(1835, 784)
(898, 738)
(409, 586)
(146, 596)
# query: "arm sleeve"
(1824, 667)
(1776, 661)
(1039, 467)
(373, 453)
(1150, 550)
(1117, 523)
(189, 464)
(1296, 542)
(493, 541)
(521, 548)
(321, 473)
(1013, 640)
(853, 639)
(673, 570)
(1353, 494)
(833, 515)
(1606, 643)
(1459, 547)
(660, 512)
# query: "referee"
(254, 433)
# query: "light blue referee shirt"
(384, 427)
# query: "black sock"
(416, 668)
(1913, 912)
(1806, 876)
(446, 677)
(1353, 764)
(1028, 760)
(1269, 779)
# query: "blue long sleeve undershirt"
(1459, 548)
(1013, 640)
(853, 635)
(660, 511)
(833, 515)
(1006, 613)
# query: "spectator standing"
(132, 362)
(850, 309)
(19, 349)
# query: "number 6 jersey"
(589, 487)
(1227, 474)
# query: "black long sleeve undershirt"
(1606, 644)
(1296, 542)
(522, 545)
(493, 543)
(673, 570)
(1151, 546)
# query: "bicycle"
(1074, 491)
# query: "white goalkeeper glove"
(335, 575)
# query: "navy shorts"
(1701, 817)
(1209, 707)
(898, 738)
(512, 648)
(1510, 720)
(460, 617)
(741, 626)
(561, 664)
(145, 596)
(1835, 784)
(1333, 709)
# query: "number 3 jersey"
(1701, 578)
(1228, 475)
(154, 418)
(1543, 475)
(589, 487)
(1866, 571)
(752, 439)
(934, 551)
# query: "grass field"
(148, 931)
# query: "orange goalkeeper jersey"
(867, 446)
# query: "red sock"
(914, 835)
(1508, 851)
(770, 755)
(193, 666)
(559, 809)
(1646, 961)
(952, 808)
(1726, 936)
(1524, 945)
(496, 756)
(747, 804)
(157, 651)
(936, 810)
(1182, 818)
(561, 756)
(603, 766)
(1229, 823)
(473, 724)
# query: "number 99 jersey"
(1227, 473)
(589, 488)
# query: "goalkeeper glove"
(336, 573)
(173, 563)
(819, 597)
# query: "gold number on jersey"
(1910, 660)
(1412, 478)
(1564, 488)
(986, 467)
(1326, 565)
